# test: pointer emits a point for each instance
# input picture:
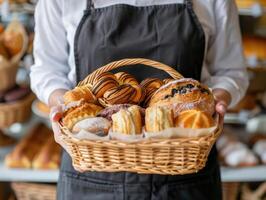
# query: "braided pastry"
(150, 85)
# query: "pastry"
(13, 38)
(260, 149)
(80, 112)
(194, 119)
(25, 151)
(158, 119)
(97, 125)
(6, 140)
(121, 94)
(150, 86)
(49, 156)
(81, 92)
(184, 94)
(16, 94)
(103, 83)
(125, 78)
(128, 121)
(3, 51)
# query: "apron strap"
(89, 4)
(189, 3)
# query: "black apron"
(170, 34)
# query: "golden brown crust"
(49, 156)
(158, 119)
(103, 83)
(167, 80)
(82, 111)
(125, 78)
(24, 152)
(82, 92)
(150, 86)
(128, 121)
(194, 119)
(184, 94)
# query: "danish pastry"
(158, 119)
(128, 121)
(194, 119)
(82, 111)
(184, 94)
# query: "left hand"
(222, 100)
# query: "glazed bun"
(78, 93)
(184, 94)
(82, 111)
(158, 119)
(96, 125)
(128, 121)
(194, 119)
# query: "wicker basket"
(31, 191)
(154, 156)
(8, 75)
(18, 111)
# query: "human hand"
(56, 113)
(222, 101)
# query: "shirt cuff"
(227, 84)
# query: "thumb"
(221, 108)
(56, 113)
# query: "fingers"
(221, 108)
(56, 113)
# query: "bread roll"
(49, 156)
(125, 78)
(81, 92)
(96, 125)
(128, 121)
(82, 111)
(158, 119)
(194, 119)
(25, 151)
(184, 94)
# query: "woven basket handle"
(127, 62)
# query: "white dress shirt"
(57, 21)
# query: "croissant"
(78, 93)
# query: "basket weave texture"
(31, 191)
(154, 156)
(14, 112)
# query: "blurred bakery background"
(29, 157)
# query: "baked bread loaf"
(6, 140)
(158, 119)
(25, 151)
(3, 51)
(194, 119)
(97, 125)
(150, 86)
(128, 121)
(78, 93)
(49, 156)
(184, 94)
(82, 111)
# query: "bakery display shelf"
(25, 175)
(237, 118)
(245, 174)
(256, 10)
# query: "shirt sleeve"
(225, 60)
(50, 71)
